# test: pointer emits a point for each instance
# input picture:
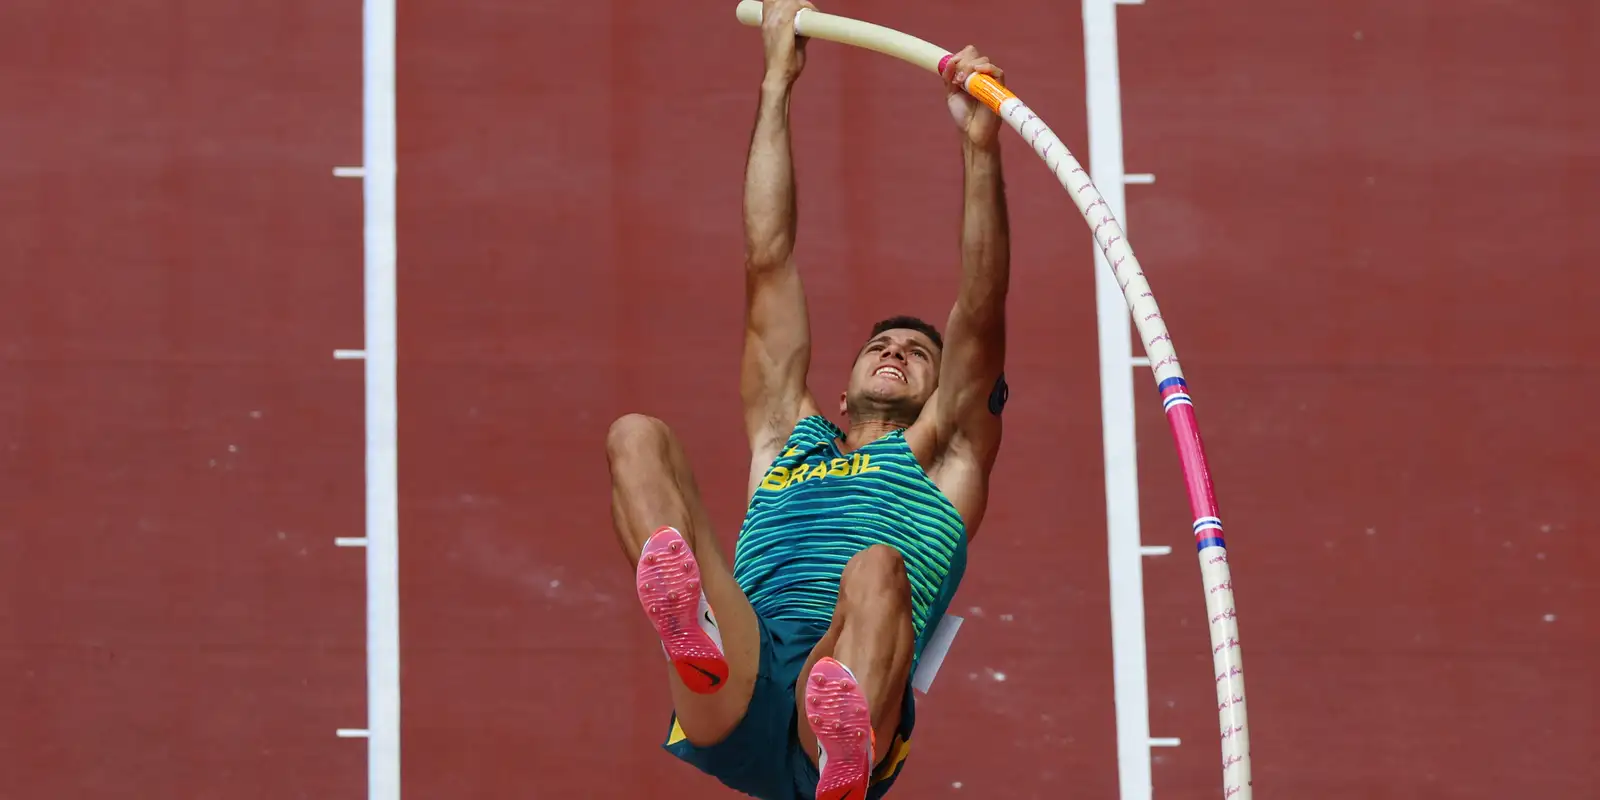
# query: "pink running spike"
(843, 727)
(673, 606)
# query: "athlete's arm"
(966, 414)
(777, 342)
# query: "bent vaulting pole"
(1226, 654)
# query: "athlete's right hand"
(786, 53)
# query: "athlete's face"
(896, 372)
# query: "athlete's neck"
(867, 431)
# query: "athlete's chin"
(898, 405)
(897, 394)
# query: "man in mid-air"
(791, 672)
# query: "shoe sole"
(668, 581)
(842, 723)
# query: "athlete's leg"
(652, 487)
(871, 636)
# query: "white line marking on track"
(1155, 550)
(349, 172)
(378, 148)
(1140, 361)
(349, 355)
(352, 733)
(1139, 177)
(351, 541)
(1172, 742)
(1130, 680)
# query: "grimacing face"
(895, 374)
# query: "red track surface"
(178, 449)
(1369, 237)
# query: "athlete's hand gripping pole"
(1108, 235)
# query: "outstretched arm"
(973, 363)
(777, 343)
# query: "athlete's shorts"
(762, 757)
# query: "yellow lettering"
(775, 478)
(779, 478)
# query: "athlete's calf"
(855, 683)
(666, 534)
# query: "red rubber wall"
(1372, 228)
(178, 448)
(1369, 233)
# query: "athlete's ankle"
(684, 532)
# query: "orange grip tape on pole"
(983, 87)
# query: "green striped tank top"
(816, 507)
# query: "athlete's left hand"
(981, 125)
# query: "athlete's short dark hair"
(909, 323)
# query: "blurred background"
(1370, 229)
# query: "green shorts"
(762, 757)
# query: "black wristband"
(999, 395)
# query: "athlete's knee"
(635, 435)
(875, 576)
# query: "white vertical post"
(383, 585)
(1131, 690)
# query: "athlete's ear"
(844, 405)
